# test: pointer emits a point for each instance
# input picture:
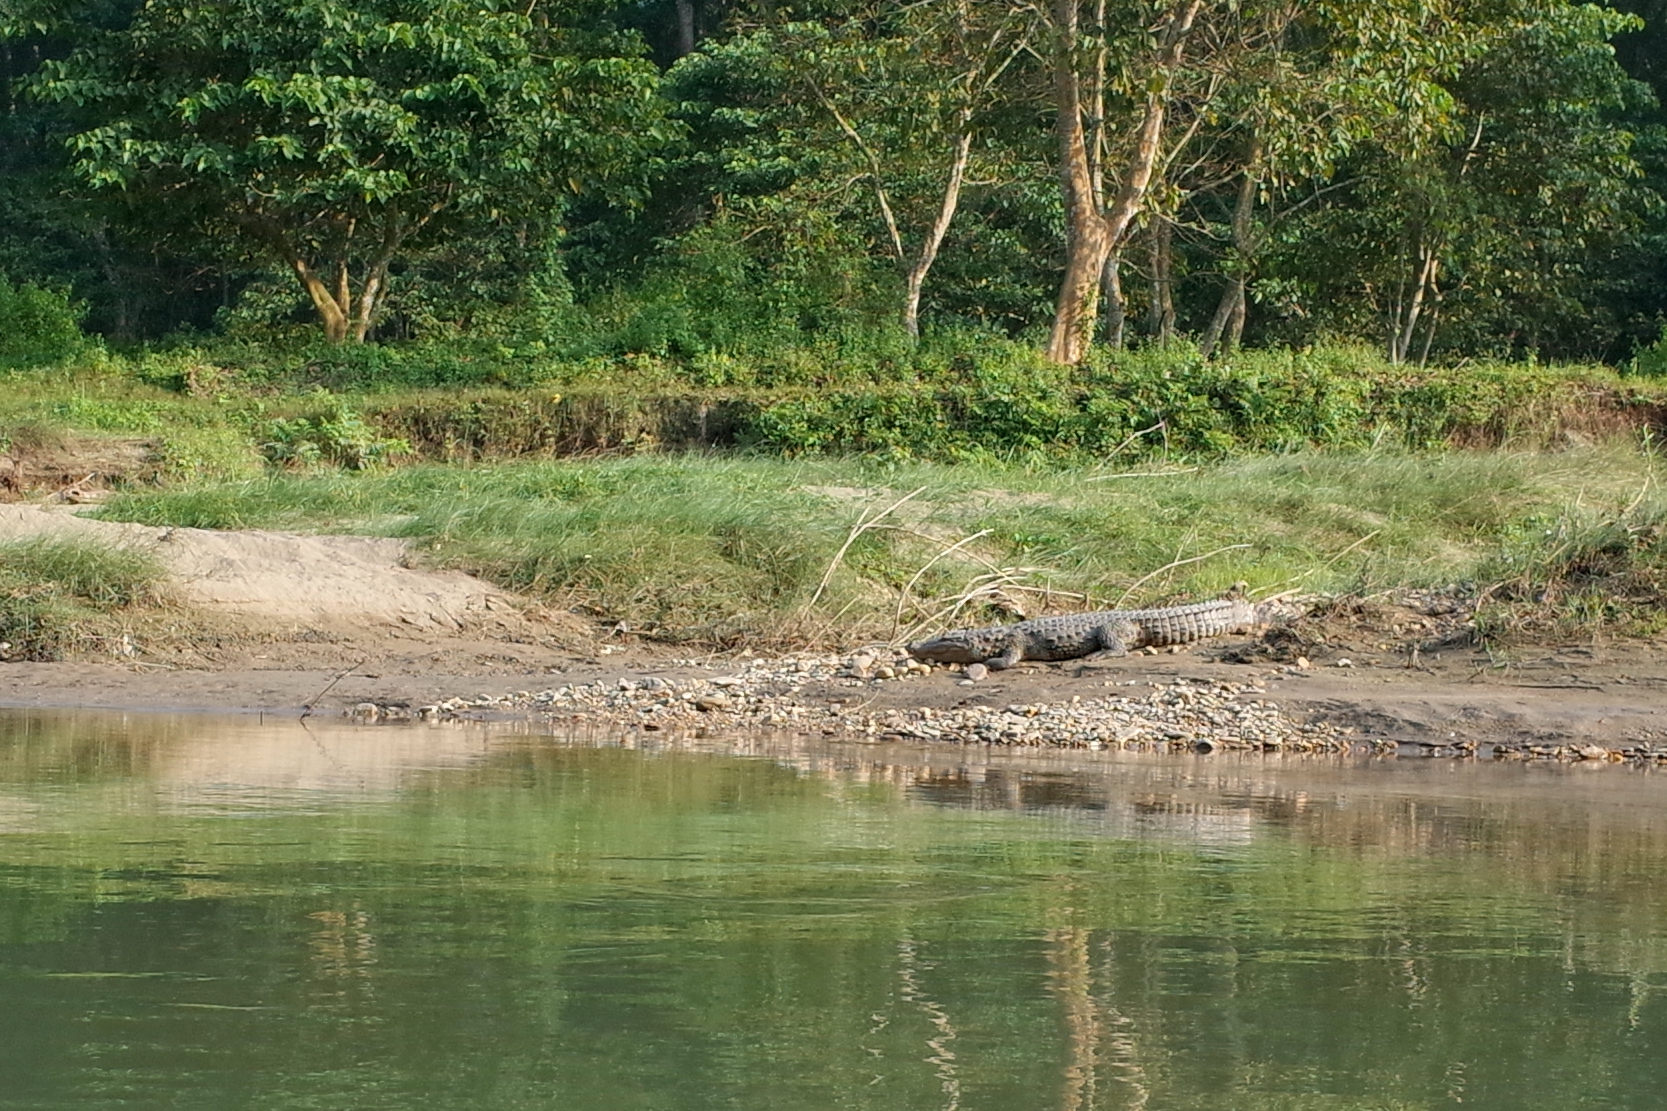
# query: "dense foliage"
(717, 187)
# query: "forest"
(704, 187)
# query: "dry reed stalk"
(864, 523)
(991, 585)
(903, 595)
(1170, 566)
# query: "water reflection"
(230, 913)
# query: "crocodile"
(1107, 632)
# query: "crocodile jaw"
(950, 649)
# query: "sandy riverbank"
(282, 623)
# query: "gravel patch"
(767, 694)
(1137, 715)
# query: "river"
(216, 913)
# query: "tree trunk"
(1160, 314)
(1094, 231)
(1424, 285)
(330, 311)
(1235, 325)
(1117, 309)
(1230, 310)
(685, 27)
(915, 279)
(122, 329)
(1227, 325)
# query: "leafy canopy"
(334, 135)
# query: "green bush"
(38, 326)
(333, 433)
(1651, 361)
(1002, 399)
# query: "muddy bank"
(1610, 696)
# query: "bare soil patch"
(70, 467)
(280, 576)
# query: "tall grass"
(58, 596)
(735, 550)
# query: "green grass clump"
(58, 596)
(733, 550)
(1581, 569)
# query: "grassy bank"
(727, 550)
(59, 597)
(855, 494)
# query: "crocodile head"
(962, 646)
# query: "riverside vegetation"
(851, 317)
(992, 484)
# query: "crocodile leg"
(1012, 654)
(1114, 637)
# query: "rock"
(706, 703)
(976, 672)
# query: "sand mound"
(278, 575)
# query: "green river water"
(212, 913)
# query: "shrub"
(37, 326)
(1651, 361)
(334, 433)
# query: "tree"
(337, 139)
(1498, 236)
(910, 102)
(1099, 213)
(1156, 103)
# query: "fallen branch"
(307, 709)
(1133, 436)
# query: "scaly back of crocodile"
(1078, 634)
(1194, 622)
